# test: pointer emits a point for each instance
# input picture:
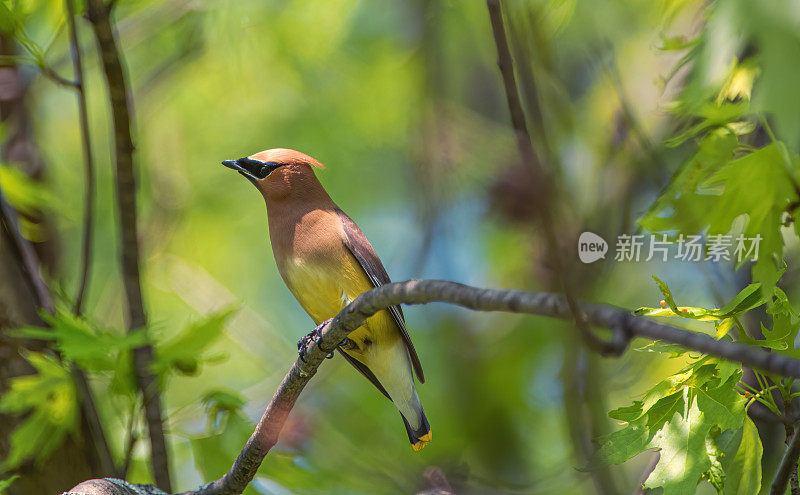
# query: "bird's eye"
(263, 172)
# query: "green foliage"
(713, 189)
(727, 179)
(28, 197)
(48, 399)
(93, 349)
(404, 96)
(23, 193)
(222, 401)
(748, 298)
(185, 352)
(7, 482)
(696, 418)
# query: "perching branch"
(367, 304)
(427, 291)
(99, 16)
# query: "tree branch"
(54, 76)
(269, 427)
(26, 254)
(9, 223)
(541, 183)
(30, 262)
(88, 209)
(367, 304)
(99, 16)
(787, 466)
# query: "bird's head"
(276, 172)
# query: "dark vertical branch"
(26, 254)
(788, 412)
(99, 15)
(88, 213)
(30, 262)
(20, 148)
(543, 189)
(787, 466)
(90, 409)
(540, 181)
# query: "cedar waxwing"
(326, 262)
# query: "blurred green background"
(404, 104)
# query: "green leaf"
(742, 465)
(184, 352)
(4, 484)
(674, 350)
(757, 185)
(684, 457)
(748, 298)
(24, 193)
(723, 327)
(683, 416)
(715, 474)
(49, 402)
(680, 208)
(222, 401)
(7, 23)
(78, 340)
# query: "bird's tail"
(420, 437)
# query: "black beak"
(252, 170)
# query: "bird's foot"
(314, 336)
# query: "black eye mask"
(252, 169)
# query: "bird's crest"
(286, 156)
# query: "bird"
(326, 261)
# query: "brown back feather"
(363, 251)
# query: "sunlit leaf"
(748, 298)
(4, 484)
(48, 400)
(185, 352)
(677, 416)
(93, 349)
(742, 465)
(22, 192)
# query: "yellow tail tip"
(422, 442)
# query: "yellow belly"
(323, 291)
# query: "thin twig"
(541, 183)
(98, 14)
(54, 76)
(25, 252)
(46, 70)
(133, 437)
(88, 209)
(269, 427)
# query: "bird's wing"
(362, 250)
(364, 371)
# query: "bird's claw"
(314, 336)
